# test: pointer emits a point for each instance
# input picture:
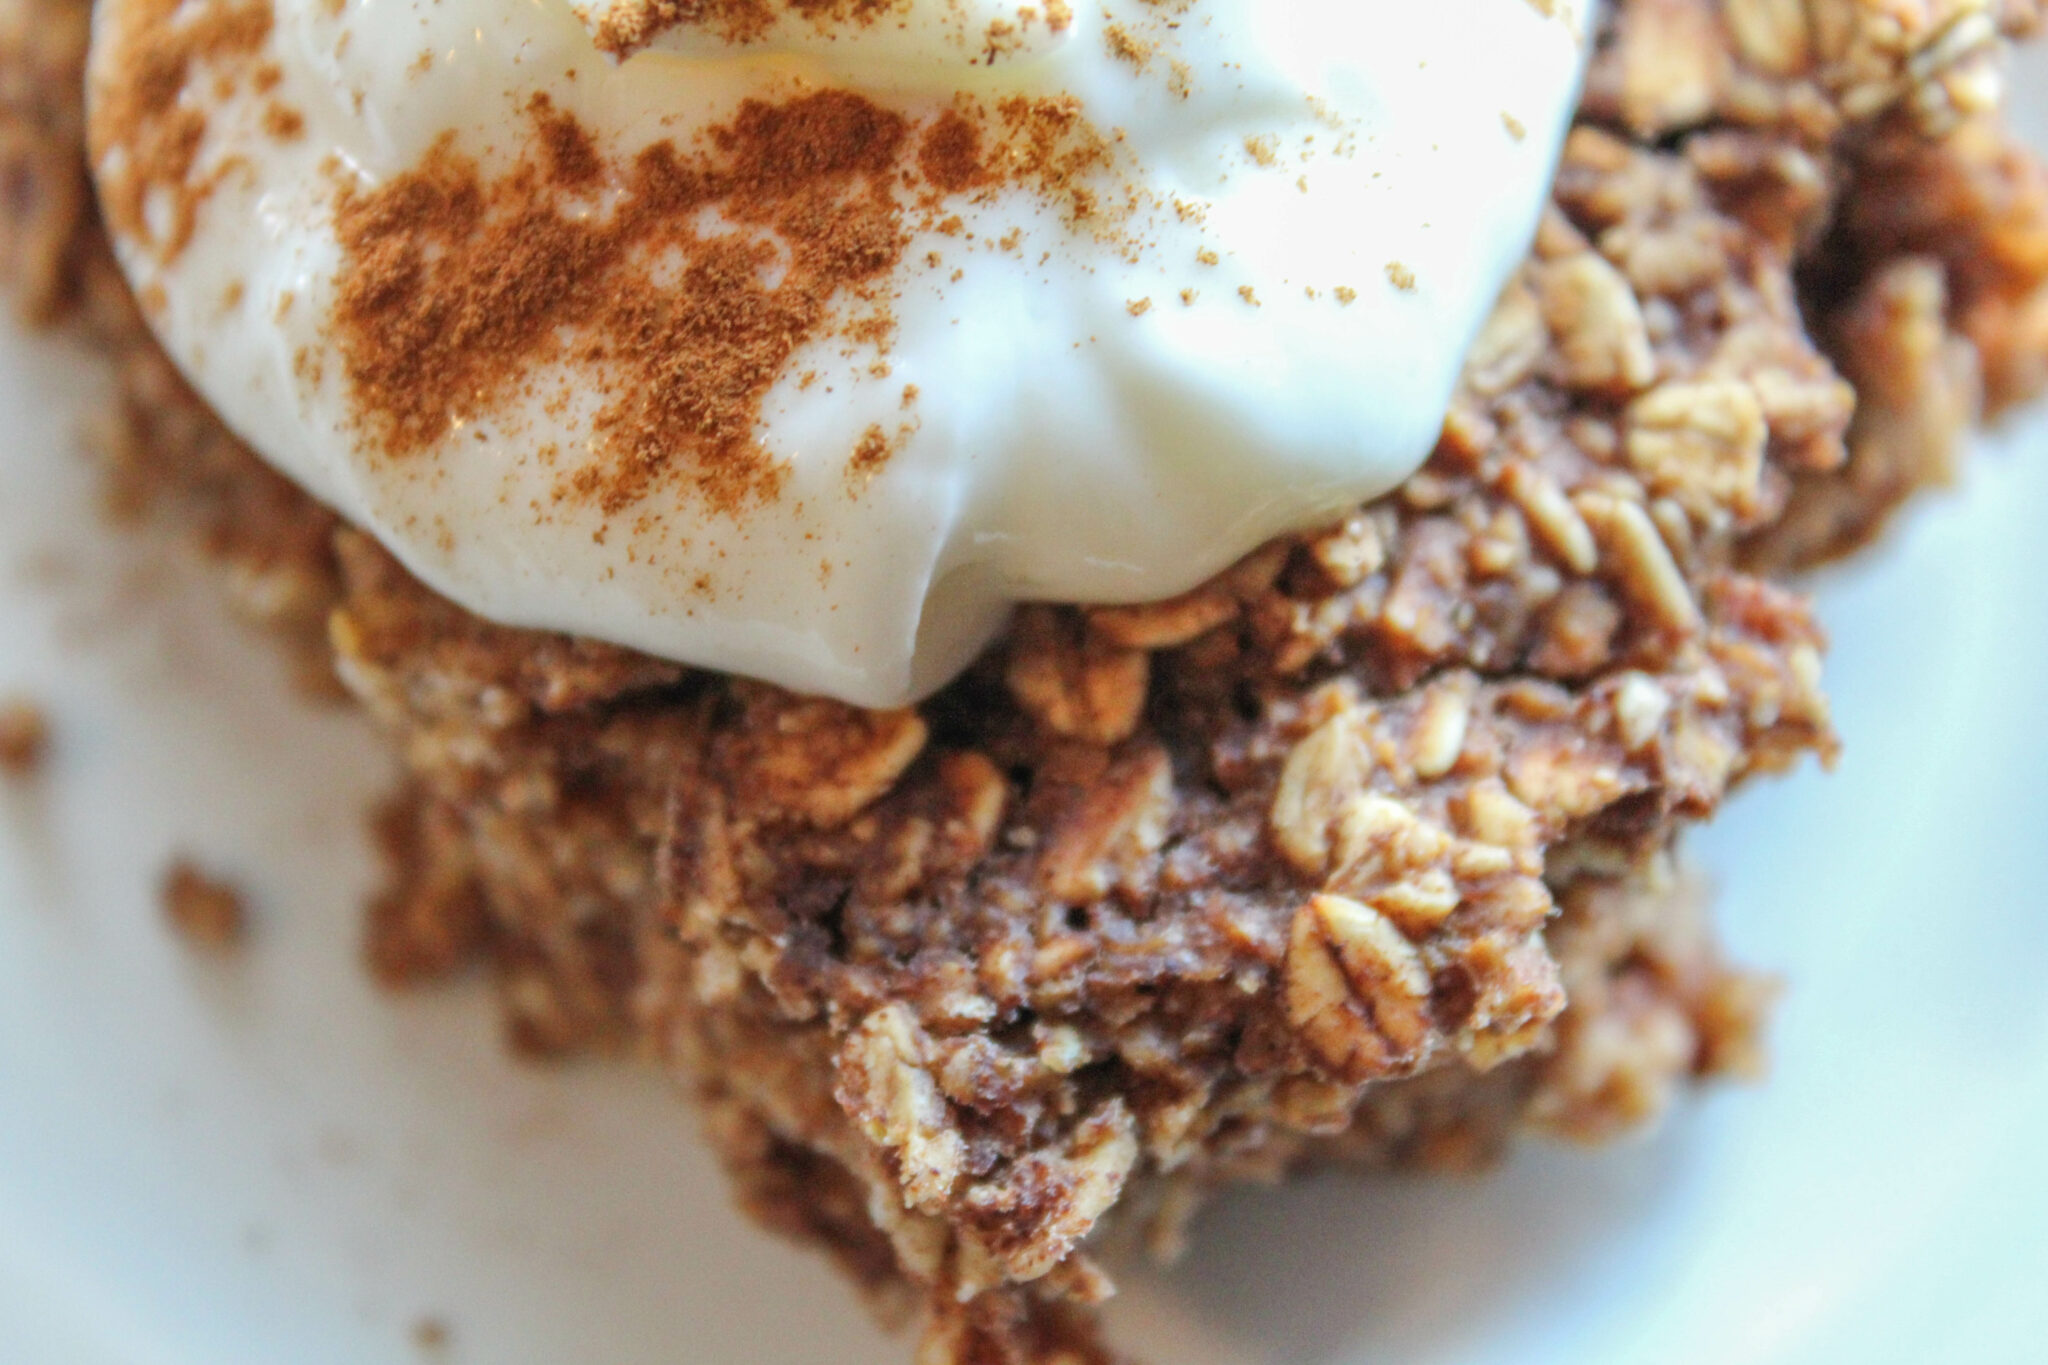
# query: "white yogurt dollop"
(1312, 207)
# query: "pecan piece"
(1355, 990)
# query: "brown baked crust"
(1362, 851)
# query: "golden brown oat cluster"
(455, 283)
(1361, 852)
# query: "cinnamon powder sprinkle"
(950, 154)
(1049, 144)
(456, 289)
(283, 122)
(869, 457)
(628, 28)
(156, 49)
(1125, 47)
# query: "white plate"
(266, 1162)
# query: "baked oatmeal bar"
(1365, 851)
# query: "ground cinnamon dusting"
(24, 738)
(153, 52)
(455, 289)
(630, 27)
(570, 152)
(1125, 47)
(950, 152)
(869, 457)
(1049, 144)
(1045, 144)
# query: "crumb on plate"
(24, 737)
(204, 910)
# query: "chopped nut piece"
(1356, 990)
(1639, 710)
(1936, 59)
(1667, 262)
(1350, 552)
(978, 797)
(1062, 1049)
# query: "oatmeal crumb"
(24, 738)
(204, 910)
(1125, 47)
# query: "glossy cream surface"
(1311, 207)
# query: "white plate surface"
(265, 1162)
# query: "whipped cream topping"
(802, 338)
